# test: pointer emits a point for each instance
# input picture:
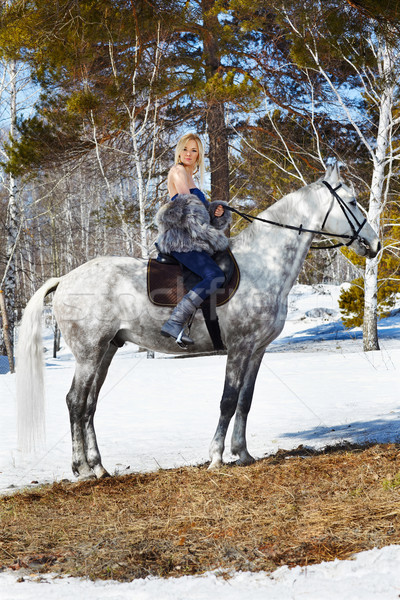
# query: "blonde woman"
(191, 230)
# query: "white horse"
(104, 303)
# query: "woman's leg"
(203, 265)
(213, 277)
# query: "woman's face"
(189, 154)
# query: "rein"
(301, 229)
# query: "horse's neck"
(281, 251)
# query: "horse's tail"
(29, 371)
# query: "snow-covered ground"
(315, 387)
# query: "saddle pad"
(165, 283)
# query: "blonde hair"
(200, 159)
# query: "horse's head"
(344, 219)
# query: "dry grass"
(293, 508)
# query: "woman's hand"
(219, 211)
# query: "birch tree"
(15, 96)
(372, 61)
(13, 222)
(383, 155)
(143, 112)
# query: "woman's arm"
(178, 184)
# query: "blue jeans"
(203, 265)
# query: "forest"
(94, 95)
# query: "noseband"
(346, 211)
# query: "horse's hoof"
(245, 460)
(215, 464)
(86, 476)
(101, 472)
(82, 471)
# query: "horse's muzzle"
(371, 251)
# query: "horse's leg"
(76, 402)
(82, 400)
(238, 443)
(236, 368)
(92, 453)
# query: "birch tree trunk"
(138, 131)
(376, 200)
(8, 284)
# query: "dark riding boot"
(180, 316)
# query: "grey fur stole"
(185, 224)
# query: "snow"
(315, 387)
(372, 574)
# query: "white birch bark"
(69, 242)
(140, 130)
(377, 196)
(8, 283)
(137, 131)
(41, 255)
(13, 81)
(112, 197)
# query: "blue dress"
(197, 193)
(201, 263)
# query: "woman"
(191, 229)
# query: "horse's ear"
(328, 173)
(336, 172)
(332, 173)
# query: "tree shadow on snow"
(388, 328)
(385, 430)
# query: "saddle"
(168, 281)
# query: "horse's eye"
(353, 203)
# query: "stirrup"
(179, 341)
(182, 331)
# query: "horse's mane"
(285, 210)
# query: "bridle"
(355, 235)
(346, 211)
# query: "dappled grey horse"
(104, 302)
